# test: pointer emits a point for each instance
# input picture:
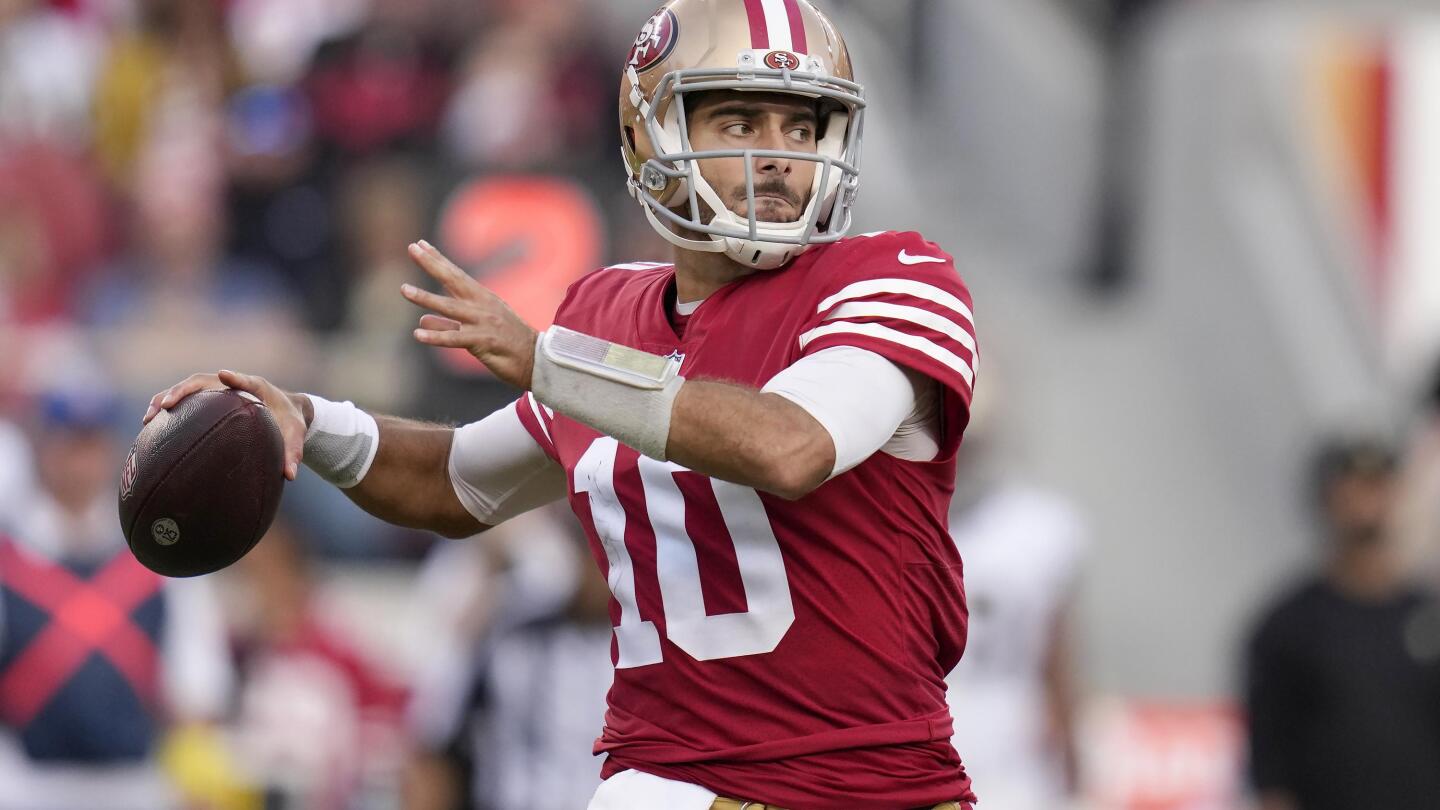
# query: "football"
(201, 484)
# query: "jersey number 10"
(762, 568)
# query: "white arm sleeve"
(866, 403)
(498, 471)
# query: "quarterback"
(759, 439)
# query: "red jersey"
(792, 653)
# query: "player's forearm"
(408, 482)
(741, 435)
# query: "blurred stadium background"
(1201, 236)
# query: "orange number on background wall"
(526, 238)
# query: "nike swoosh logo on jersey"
(906, 258)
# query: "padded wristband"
(619, 391)
(341, 442)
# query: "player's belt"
(739, 804)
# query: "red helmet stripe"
(797, 27)
(759, 31)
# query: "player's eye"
(801, 134)
(739, 130)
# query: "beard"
(767, 210)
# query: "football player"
(759, 439)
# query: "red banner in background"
(1157, 756)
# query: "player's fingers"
(451, 308)
(292, 431)
(244, 382)
(454, 339)
(452, 278)
(435, 323)
(437, 267)
(151, 409)
(294, 450)
(248, 383)
(177, 392)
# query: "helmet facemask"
(670, 184)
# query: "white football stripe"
(915, 315)
(874, 330)
(778, 22)
(900, 286)
(535, 409)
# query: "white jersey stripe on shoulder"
(637, 266)
(940, 354)
(915, 315)
(900, 286)
(777, 20)
(535, 409)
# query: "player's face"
(777, 121)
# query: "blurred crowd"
(185, 182)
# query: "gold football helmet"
(772, 46)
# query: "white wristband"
(341, 442)
(619, 391)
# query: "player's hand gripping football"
(472, 318)
(291, 411)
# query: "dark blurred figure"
(513, 689)
(99, 657)
(1343, 673)
(1121, 33)
(1420, 510)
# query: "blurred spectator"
(512, 696)
(372, 357)
(1013, 695)
(16, 476)
(384, 86)
(1343, 672)
(163, 83)
(318, 724)
(99, 657)
(176, 302)
(53, 231)
(539, 64)
(1420, 496)
(47, 69)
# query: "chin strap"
(709, 245)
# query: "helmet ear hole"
(629, 134)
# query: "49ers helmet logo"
(782, 60)
(657, 39)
